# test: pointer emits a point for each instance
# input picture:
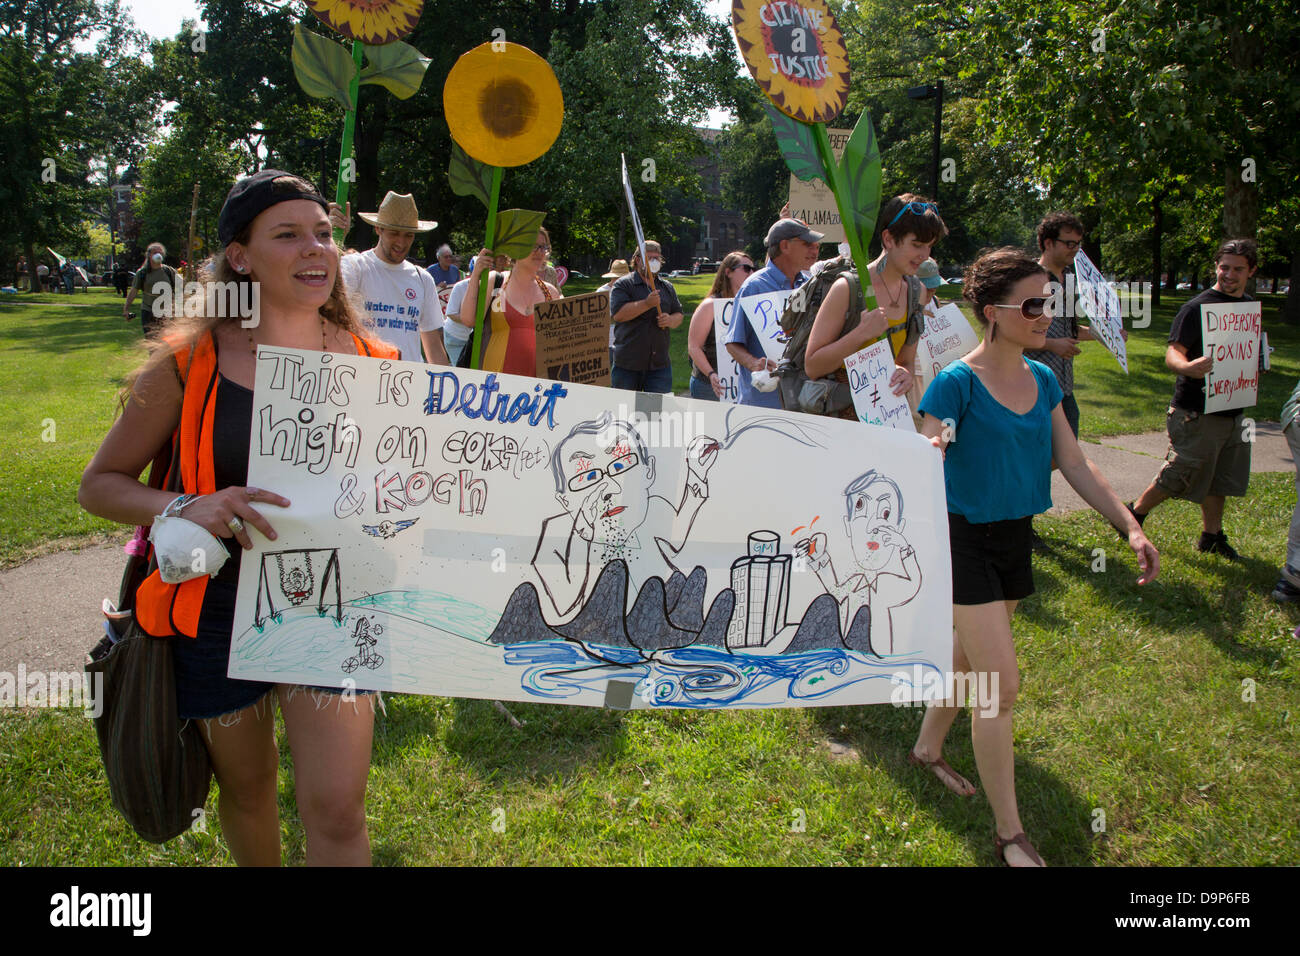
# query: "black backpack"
(799, 393)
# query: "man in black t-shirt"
(1208, 456)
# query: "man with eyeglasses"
(603, 475)
(1059, 235)
(642, 318)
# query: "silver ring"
(235, 525)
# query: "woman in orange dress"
(510, 337)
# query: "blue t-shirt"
(999, 464)
(440, 275)
(767, 279)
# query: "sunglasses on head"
(919, 208)
(1031, 308)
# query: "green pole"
(349, 127)
(479, 345)
(860, 260)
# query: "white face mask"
(655, 265)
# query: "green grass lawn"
(1136, 742)
(1131, 705)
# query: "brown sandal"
(938, 763)
(1020, 840)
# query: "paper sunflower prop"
(795, 51)
(372, 21)
(503, 104)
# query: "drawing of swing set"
(297, 583)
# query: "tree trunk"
(1157, 232)
(1240, 205)
(1291, 309)
(1090, 216)
(366, 146)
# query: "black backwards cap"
(253, 194)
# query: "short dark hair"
(990, 277)
(927, 226)
(1053, 223)
(1238, 247)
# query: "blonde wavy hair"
(184, 331)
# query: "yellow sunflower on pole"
(504, 108)
(371, 21)
(796, 53)
(503, 104)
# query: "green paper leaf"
(468, 177)
(323, 68)
(397, 66)
(796, 142)
(516, 232)
(860, 169)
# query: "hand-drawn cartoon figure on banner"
(511, 539)
(888, 576)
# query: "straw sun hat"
(398, 211)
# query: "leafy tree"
(55, 88)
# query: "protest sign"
(724, 313)
(1231, 334)
(812, 200)
(947, 337)
(573, 339)
(763, 312)
(875, 402)
(471, 534)
(1098, 300)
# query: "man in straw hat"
(399, 298)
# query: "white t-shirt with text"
(398, 301)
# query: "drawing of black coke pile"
(760, 582)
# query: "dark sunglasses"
(744, 265)
(1070, 244)
(1031, 308)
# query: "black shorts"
(990, 562)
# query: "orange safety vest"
(165, 609)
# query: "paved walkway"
(52, 603)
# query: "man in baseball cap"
(399, 298)
(792, 248)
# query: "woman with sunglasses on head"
(510, 335)
(735, 268)
(196, 389)
(998, 418)
(912, 227)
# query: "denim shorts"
(202, 688)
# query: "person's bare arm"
(435, 353)
(827, 346)
(111, 486)
(742, 356)
(1093, 488)
(1176, 359)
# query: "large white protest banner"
(1099, 301)
(1230, 332)
(763, 312)
(947, 337)
(465, 533)
(875, 402)
(812, 201)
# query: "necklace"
(252, 345)
(893, 300)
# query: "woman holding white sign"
(912, 227)
(736, 267)
(194, 394)
(998, 417)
